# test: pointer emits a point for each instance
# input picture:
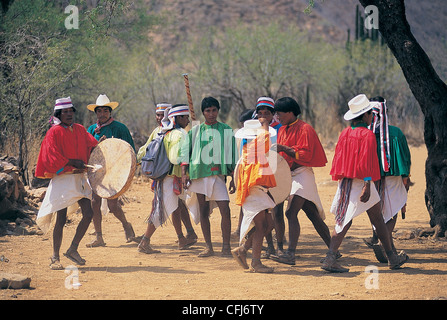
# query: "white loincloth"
(355, 206)
(214, 189)
(395, 197)
(304, 185)
(170, 201)
(256, 201)
(63, 191)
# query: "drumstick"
(188, 95)
(94, 167)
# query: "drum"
(114, 162)
(282, 174)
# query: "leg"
(186, 219)
(376, 218)
(205, 225)
(280, 226)
(87, 215)
(144, 245)
(330, 262)
(314, 216)
(261, 226)
(118, 212)
(183, 243)
(225, 225)
(292, 216)
(97, 222)
(61, 218)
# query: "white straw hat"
(358, 106)
(251, 129)
(102, 101)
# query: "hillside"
(330, 19)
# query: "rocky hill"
(330, 19)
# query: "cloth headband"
(161, 107)
(178, 111)
(265, 101)
(63, 103)
(380, 123)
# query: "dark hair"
(378, 99)
(265, 108)
(360, 117)
(110, 109)
(57, 113)
(246, 115)
(287, 104)
(209, 102)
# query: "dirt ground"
(119, 271)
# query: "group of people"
(371, 164)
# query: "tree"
(430, 92)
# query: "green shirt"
(115, 129)
(400, 157)
(209, 150)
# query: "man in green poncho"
(209, 153)
(394, 162)
(107, 127)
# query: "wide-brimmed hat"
(102, 101)
(251, 129)
(358, 106)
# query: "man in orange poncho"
(254, 179)
(355, 165)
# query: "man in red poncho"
(63, 153)
(300, 146)
(355, 165)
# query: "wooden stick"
(188, 95)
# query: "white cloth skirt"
(395, 197)
(63, 191)
(304, 185)
(214, 189)
(256, 201)
(355, 206)
(170, 201)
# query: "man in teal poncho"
(209, 154)
(107, 127)
(394, 162)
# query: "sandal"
(286, 258)
(208, 252)
(130, 234)
(55, 264)
(75, 257)
(240, 255)
(146, 248)
(96, 243)
(185, 243)
(260, 268)
(330, 264)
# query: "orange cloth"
(254, 168)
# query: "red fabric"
(61, 144)
(356, 155)
(303, 139)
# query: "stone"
(14, 281)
